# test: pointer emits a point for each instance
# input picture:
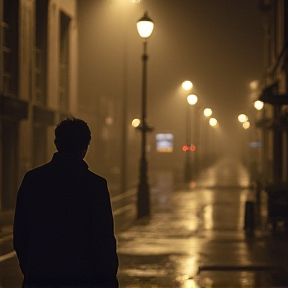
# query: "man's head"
(72, 136)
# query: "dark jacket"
(63, 227)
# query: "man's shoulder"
(38, 170)
(96, 177)
(48, 168)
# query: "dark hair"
(72, 135)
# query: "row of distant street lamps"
(145, 26)
(192, 99)
(243, 118)
(251, 160)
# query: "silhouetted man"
(63, 226)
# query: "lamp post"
(262, 140)
(207, 112)
(213, 123)
(145, 28)
(243, 118)
(191, 100)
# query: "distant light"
(254, 84)
(109, 120)
(242, 118)
(213, 122)
(136, 122)
(187, 85)
(136, 1)
(192, 184)
(207, 112)
(190, 147)
(258, 105)
(192, 99)
(246, 125)
(255, 144)
(145, 26)
(185, 148)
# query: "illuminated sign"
(255, 144)
(164, 142)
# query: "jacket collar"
(66, 159)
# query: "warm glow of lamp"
(213, 122)
(192, 99)
(136, 122)
(258, 105)
(246, 125)
(187, 85)
(145, 26)
(254, 84)
(207, 112)
(242, 118)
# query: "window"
(64, 63)
(40, 60)
(10, 32)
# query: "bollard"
(249, 217)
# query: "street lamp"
(136, 122)
(213, 122)
(187, 85)
(258, 105)
(246, 125)
(242, 118)
(191, 100)
(207, 112)
(145, 28)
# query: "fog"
(215, 44)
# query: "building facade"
(38, 85)
(273, 120)
(43, 80)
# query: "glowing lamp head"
(187, 85)
(258, 105)
(136, 122)
(207, 112)
(246, 125)
(192, 99)
(145, 26)
(213, 122)
(254, 84)
(242, 118)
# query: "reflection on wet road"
(169, 248)
(195, 238)
(227, 172)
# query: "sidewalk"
(195, 238)
(6, 227)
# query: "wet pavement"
(194, 238)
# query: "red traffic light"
(191, 148)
